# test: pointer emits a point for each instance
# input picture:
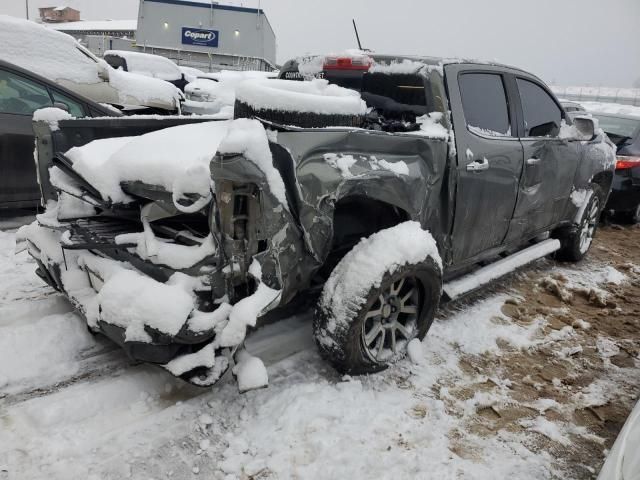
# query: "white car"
(215, 93)
(146, 64)
(60, 58)
(623, 462)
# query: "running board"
(484, 275)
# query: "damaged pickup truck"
(175, 237)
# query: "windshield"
(620, 127)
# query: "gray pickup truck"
(458, 173)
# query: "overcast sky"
(577, 42)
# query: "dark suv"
(624, 131)
(21, 94)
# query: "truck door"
(489, 158)
(550, 162)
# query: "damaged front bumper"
(184, 341)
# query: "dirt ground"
(593, 338)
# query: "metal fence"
(624, 96)
(207, 62)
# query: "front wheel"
(362, 334)
(575, 242)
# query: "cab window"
(484, 102)
(21, 96)
(542, 115)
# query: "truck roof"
(389, 58)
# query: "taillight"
(347, 63)
(627, 162)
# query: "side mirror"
(585, 127)
(61, 106)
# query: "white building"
(231, 35)
(197, 33)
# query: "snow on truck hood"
(162, 158)
(176, 159)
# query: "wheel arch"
(355, 217)
(604, 180)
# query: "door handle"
(533, 161)
(478, 165)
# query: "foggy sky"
(567, 42)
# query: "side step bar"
(484, 275)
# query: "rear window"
(621, 127)
(397, 96)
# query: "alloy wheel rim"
(589, 226)
(392, 321)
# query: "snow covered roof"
(209, 4)
(52, 54)
(400, 63)
(98, 25)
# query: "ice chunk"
(415, 351)
(250, 372)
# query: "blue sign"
(200, 36)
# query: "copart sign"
(199, 36)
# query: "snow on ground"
(72, 406)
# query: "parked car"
(21, 94)
(61, 59)
(146, 64)
(623, 461)
(622, 125)
(441, 182)
(214, 93)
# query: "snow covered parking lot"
(530, 379)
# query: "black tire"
(576, 240)
(344, 347)
(298, 119)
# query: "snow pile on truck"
(173, 157)
(317, 96)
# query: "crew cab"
(432, 179)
